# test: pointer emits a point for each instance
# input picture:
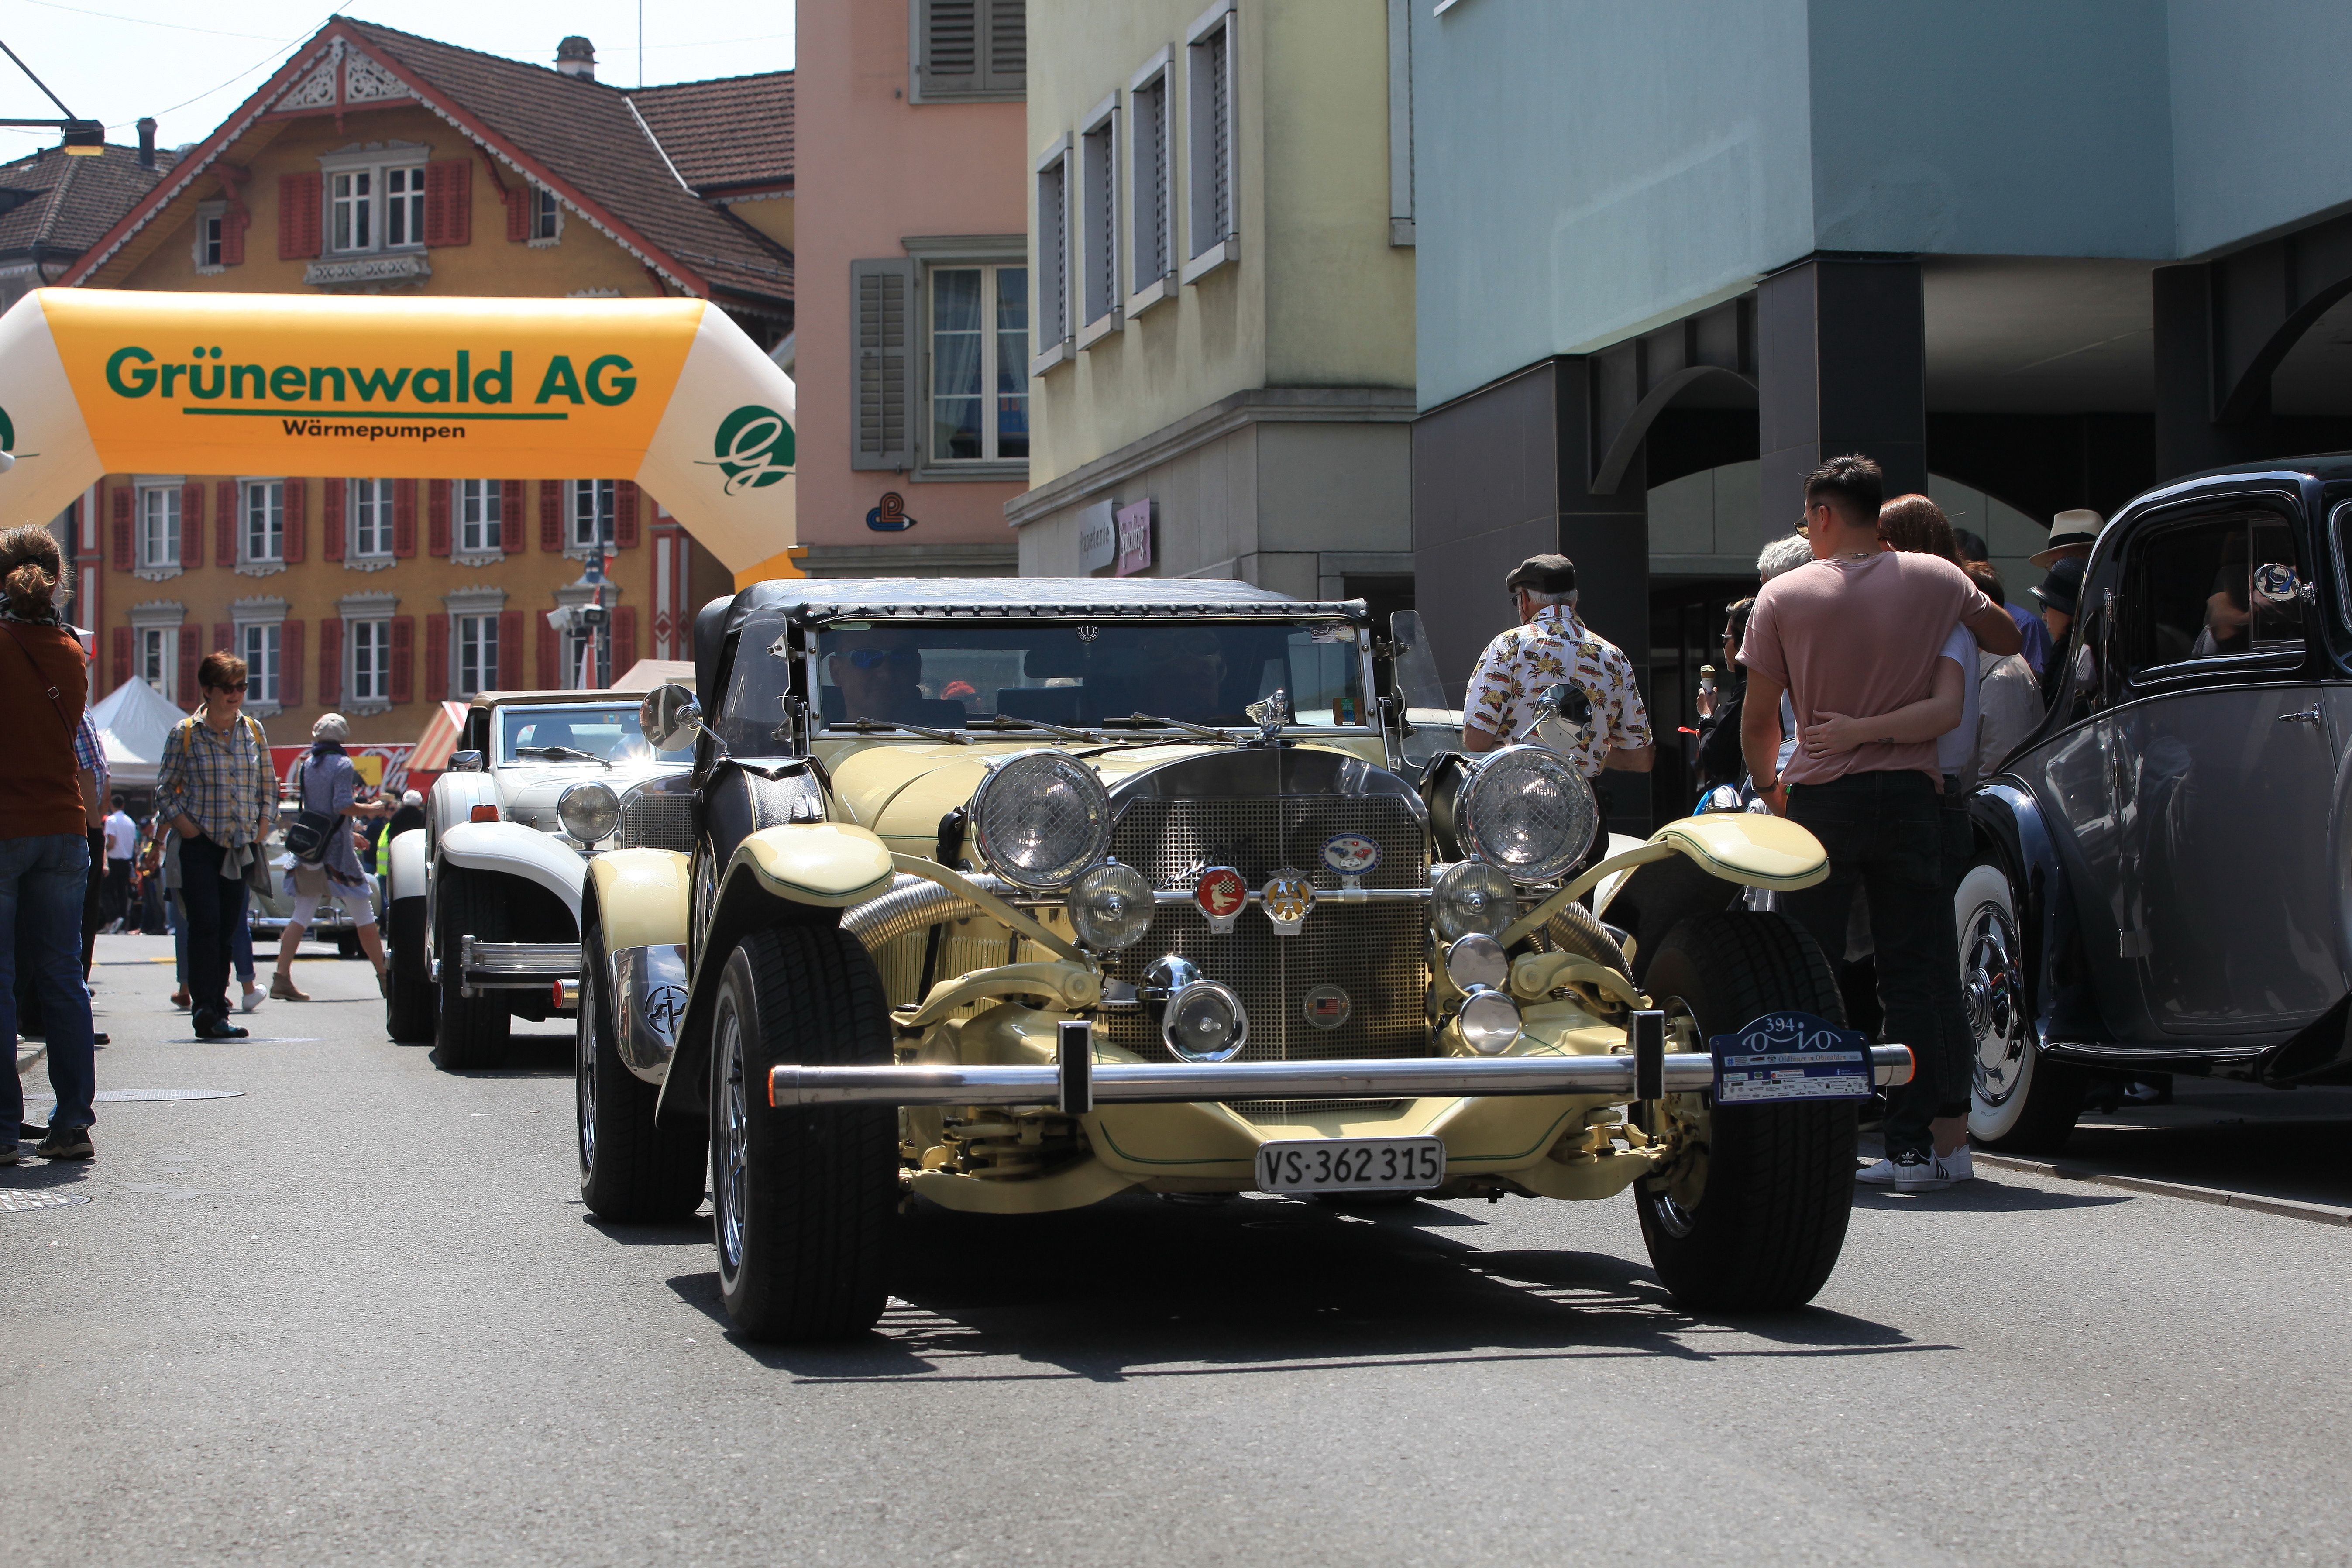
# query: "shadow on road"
(527, 1055)
(1981, 1196)
(1136, 1287)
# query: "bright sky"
(189, 66)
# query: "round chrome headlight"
(1477, 960)
(1110, 906)
(589, 812)
(1490, 1022)
(1204, 1023)
(1040, 818)
(1472, 896)
(1529, 811)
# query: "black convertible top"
(809, 599)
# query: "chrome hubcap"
(1992, 981)
(583, 1035)
(734, 1135)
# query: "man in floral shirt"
(1550, 646)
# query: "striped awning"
(440, 737)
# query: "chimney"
(575, 56)
(147, 143)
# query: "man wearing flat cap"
(1549, 646)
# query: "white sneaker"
(1955, 1166)
(251, 1000)
(1908, 1173)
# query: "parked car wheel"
(805, 1200)
(347, 944)
(1753, 1216)
(2022, 1101)
(474, 1029)
(408, 1013)
(631, 1172)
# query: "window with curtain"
(979, 364)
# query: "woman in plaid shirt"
(217, 790)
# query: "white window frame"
(379, 494)
(367, 618)
(1151, 167)
(473, 640)
(1211, 76)
(479, 505)
(545, 223)
(156, 538)
(930, 463)
(1100, 300)
(259, 638)
(155, 644)
(1049, 250)
(372, 208)
(270, 494)
(212, 239)
(606, 518)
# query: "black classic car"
(2161, 884)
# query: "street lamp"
(83, 138)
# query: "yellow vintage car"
(1011, 897)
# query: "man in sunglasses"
(216, 788)
(880, 674)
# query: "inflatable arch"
(666, 391)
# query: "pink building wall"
(873, 168)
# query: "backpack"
(311, 832)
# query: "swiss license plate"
(1351, 1164)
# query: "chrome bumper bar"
(1077, 1084)
(516, 966)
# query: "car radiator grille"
(651, 821)
(1376, 952)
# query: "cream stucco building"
(1221, 243)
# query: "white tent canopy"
(132, 721)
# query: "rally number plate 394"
(1351, 1164)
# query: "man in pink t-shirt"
(1858, 636)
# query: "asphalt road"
(356, 1313)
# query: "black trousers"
(214, 904)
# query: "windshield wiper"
(877, 727)
(1001, 721)
(1137, 721)
(563, 755)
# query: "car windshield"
(953, 675)
(607, 730)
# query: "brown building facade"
(380, 162)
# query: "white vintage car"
(484, 921)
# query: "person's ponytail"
(30, 569)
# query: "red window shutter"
(298, 521)
(225, 523)
(514, 497)
(297, 216)
(438, 509)
(233, 223)
(625, 515)
(404, 518)
(124, 557)
(331, 519)
(225, 639)
(551, 516)
(404, 653)
(122, 671)
(436, 656)
(518, 200)
(510, 650)
(449, 202)
(331, 661)
(550, 654)
(289, 665)
(191, 656)
(624, 640)
(192, 523)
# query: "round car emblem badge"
(1328, 1006)
(1287, 896)
(1351, 855)
(1221, 893)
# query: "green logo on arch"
(8, 432)
(753, 447)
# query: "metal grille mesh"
(651, 821)
(1375, 952)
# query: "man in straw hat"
(2072, 535)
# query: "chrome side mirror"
(2277, 582)
(669, 716)
(464, 762)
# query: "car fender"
(826, 864)
(410, 856)
(640, 898)
(517, 851)
(2009, 830)
(1686, 867)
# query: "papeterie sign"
(666, 391)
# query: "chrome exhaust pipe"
(1178, 1083)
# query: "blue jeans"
(43, 881)
(240, 942)
(1886, 831)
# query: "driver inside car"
(880, 674)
